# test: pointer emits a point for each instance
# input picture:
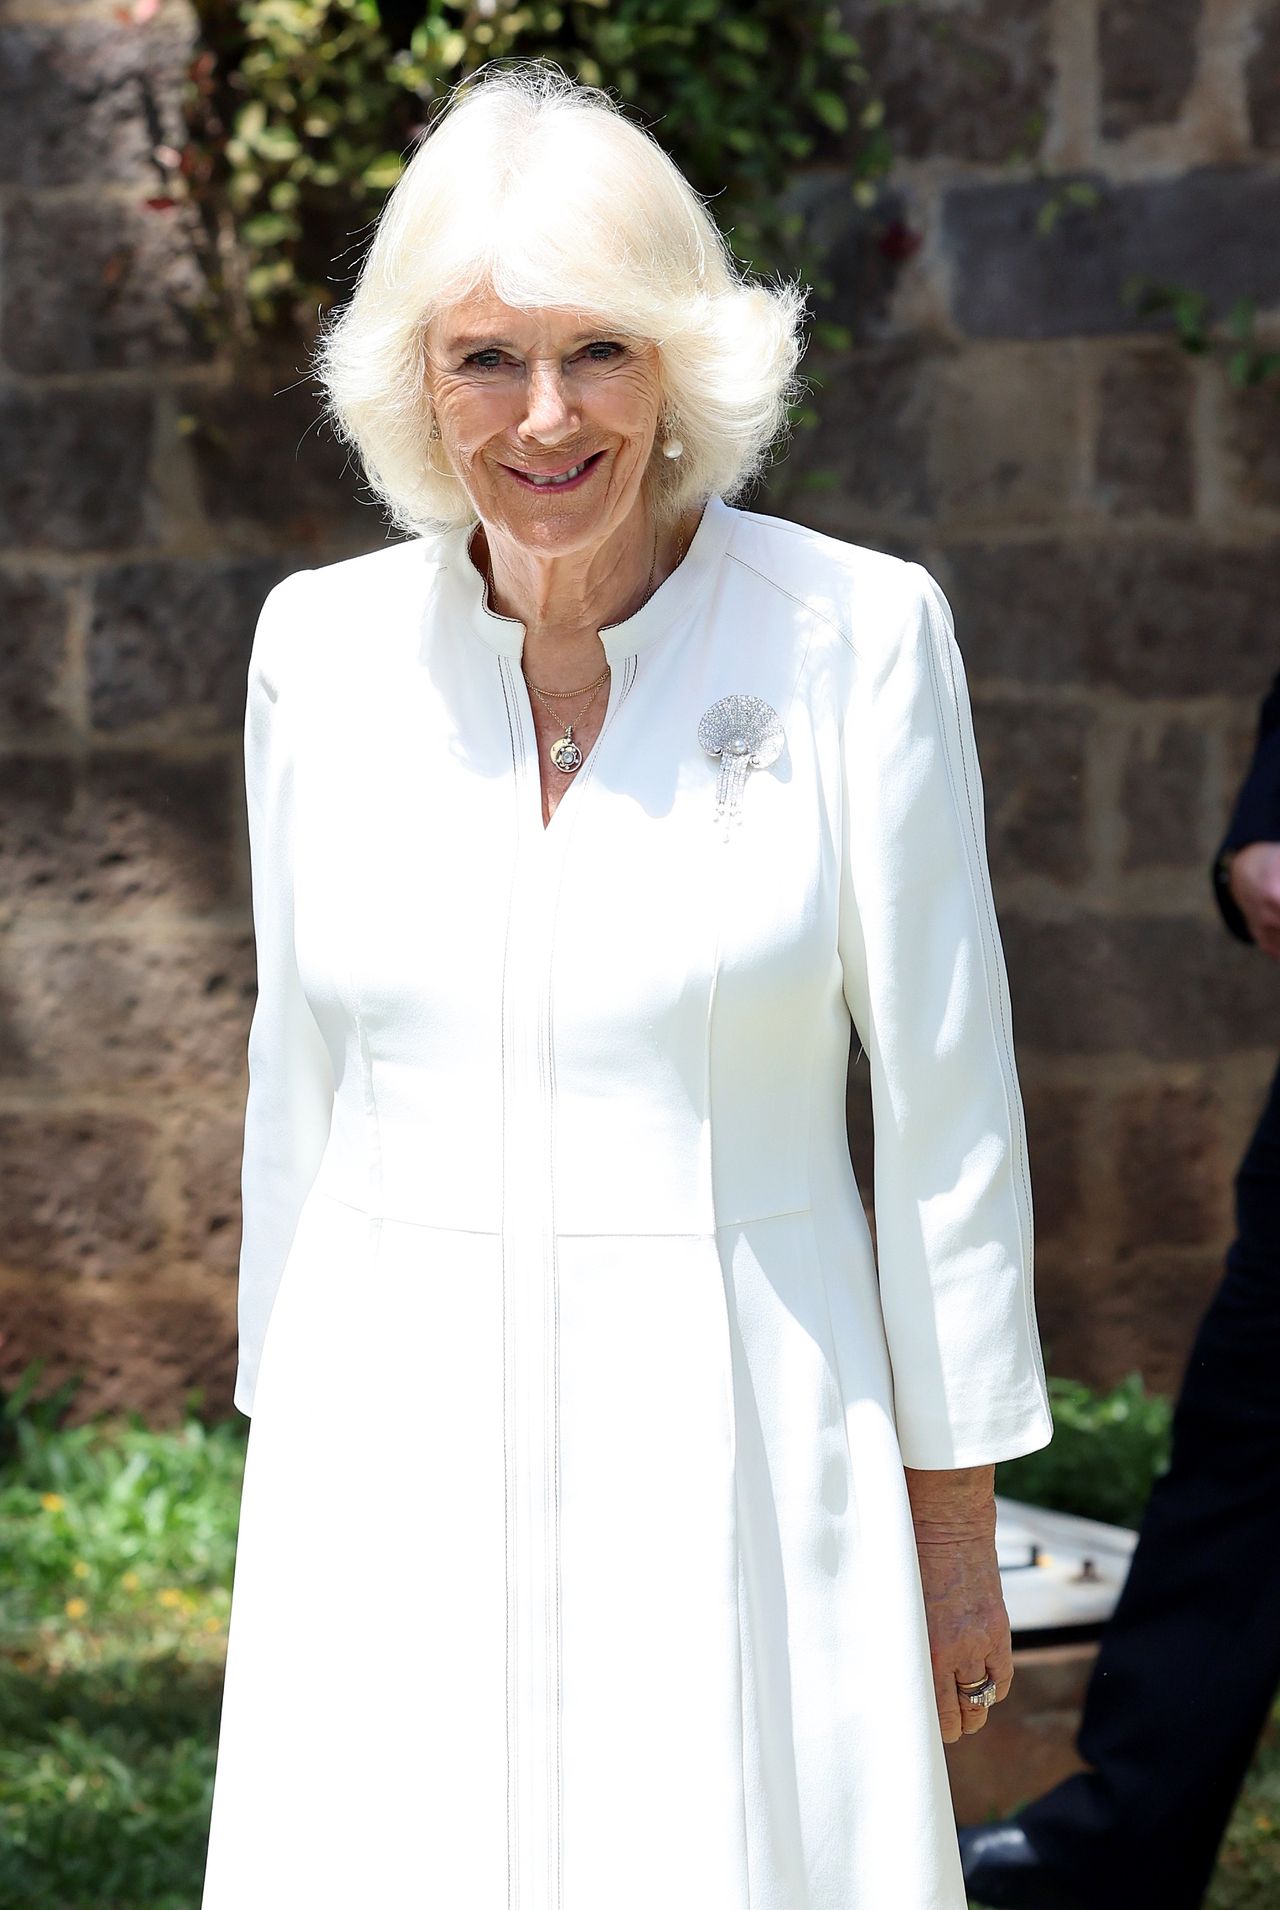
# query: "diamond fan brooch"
(746, 734)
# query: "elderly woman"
(617, 1534)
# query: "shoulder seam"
(802, 602)
(776, 523)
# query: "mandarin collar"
(466, 595)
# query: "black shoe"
(1003, 1872)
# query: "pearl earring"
(672, 448)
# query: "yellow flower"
(213, 1624)
(80, 1569)
(130, 1582)
(52, 1501)
(75, 1608)
(170, 1596)
(1262, 1823)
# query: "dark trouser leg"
(1190, 1662)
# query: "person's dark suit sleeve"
(1256, 816)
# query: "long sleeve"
(290, 1097)
(926, 985)
(1256, 814)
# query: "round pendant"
(565, 754)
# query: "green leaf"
(1190, 308)
(1241, 318)
(1240, 369)
(750, 36)
(831, 110)
(795, 145)
(250, 121)
(279, 144)
(269, 228)
(384, 172)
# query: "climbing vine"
(1199, 324)
(302, 114)
(1204, 332)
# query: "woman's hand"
(954, 1517)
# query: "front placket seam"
(555, 1854)
(510, 1558)
(528, 1060)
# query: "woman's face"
(526, 395)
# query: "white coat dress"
(575, 1565)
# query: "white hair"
(538, 189)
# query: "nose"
(550, 415)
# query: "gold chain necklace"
(564, 752)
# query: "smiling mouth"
(553, 481)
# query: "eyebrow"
(506, 344)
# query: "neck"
(563, 601)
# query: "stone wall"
(1101, 508)
(151, 492)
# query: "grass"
(119, 1543)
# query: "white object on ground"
(1056, 1569)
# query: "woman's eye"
(489, 357)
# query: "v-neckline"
(530, 771)
(677, 601)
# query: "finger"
(972, 1716)
(1000, 1665)
(944, 1684)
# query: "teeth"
(563, 478)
